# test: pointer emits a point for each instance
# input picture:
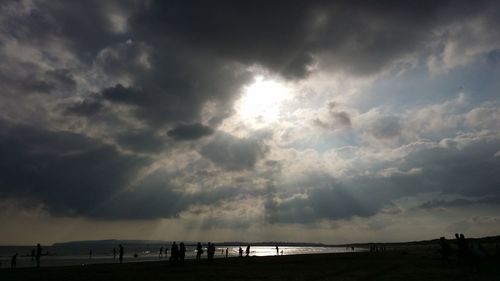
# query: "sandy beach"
(391, 265)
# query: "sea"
(67, 255)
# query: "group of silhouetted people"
(36, 254)
(374, 248)
(210, 251)
(177, 253)
(462, 249)
(466, 253)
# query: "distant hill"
(161, 242)
(489, 239)
(112, 242)
(483, 240)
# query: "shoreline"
(391, 265)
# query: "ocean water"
(79, 255)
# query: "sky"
(313, 121)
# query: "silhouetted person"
(199, 251)
(213, 250)
(241, 252)
(38, 254)
(174, 253)
(33, 251)
(463, 248)
(114, 253)
(445, 250)
(13, 261)
(161, 252)
(460, 256)
(90, 254)
(182, 252)
(277, 250)
(120, 247)
(210, 251)
(248, 251)
(227, 252)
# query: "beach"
(414, 264)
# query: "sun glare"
(261, 102)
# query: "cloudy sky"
(321, 121)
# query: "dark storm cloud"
(179, 88)
(66, 172)
(33, 80)
(183, 54)
(232, 153)
(86, 107)
(359, 37)
(72, 175)
(249, 32)
(84, 24)
(141, 141)
(471, 172)
(190, 131)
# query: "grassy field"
(398, 265)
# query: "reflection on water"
(59, 256)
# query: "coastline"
(391, 265)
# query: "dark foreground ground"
(391, 265)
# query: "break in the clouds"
(231, 116)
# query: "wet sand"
(391, 265)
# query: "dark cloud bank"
(178, 57)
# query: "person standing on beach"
(241, 252)
(13, 261)
(248, 250)
(161, 252)
(445, 251)
(38, 254)
(174, 253)
(277, 250)
(212, 251)
(209, 251)
(114, 253)
(121, 253)
(182, 252)
(199, 251)
(227, 252)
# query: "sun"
(262, 101)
